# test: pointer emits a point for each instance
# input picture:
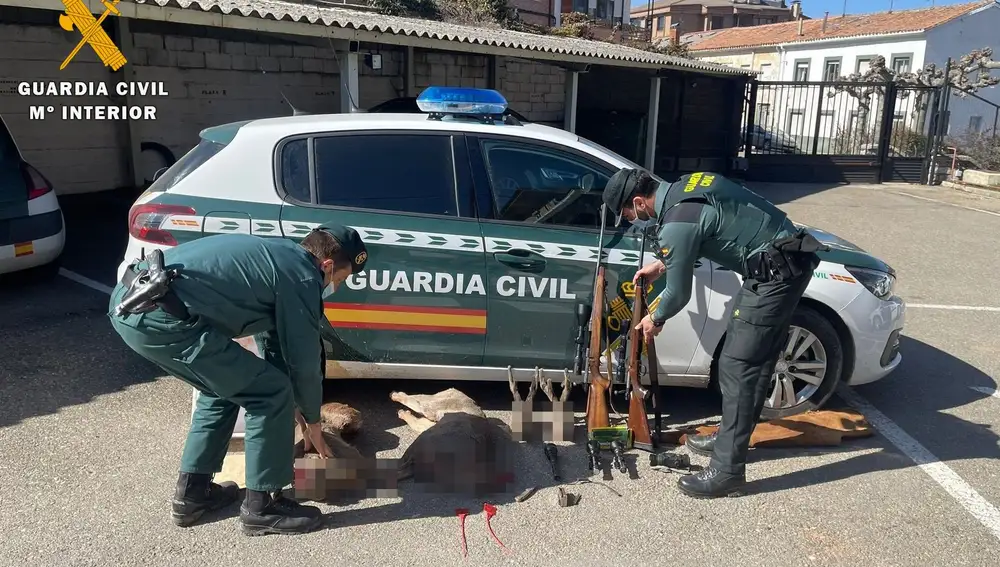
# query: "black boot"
(710, 483)
(263, 514)
(701, 444)
(196, 494)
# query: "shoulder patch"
(689, 212)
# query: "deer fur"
(458, 450)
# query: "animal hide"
(823, 428)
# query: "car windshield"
(626, 161)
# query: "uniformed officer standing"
(706, 215)
(232, 286)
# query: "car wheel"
(810, 376)
(808, 369)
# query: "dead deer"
(559, 420)
(458, 450)
(522, 422)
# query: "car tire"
(827, 345)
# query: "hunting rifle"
(597, 392)
(638, 422)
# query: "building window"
(862, 64)
(661, 22)
(765, 70)
(801, 70)
(718, 22)
(901, 63)
(831, 69)
(975, 124)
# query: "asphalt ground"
(91, 435)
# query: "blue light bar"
(461, 100)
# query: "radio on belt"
(487, 105)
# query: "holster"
(152, 291)
(787, 258)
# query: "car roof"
(308, 123)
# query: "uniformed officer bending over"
(706, 215)
(233, 286)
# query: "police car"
(482, 239)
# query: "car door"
(539, 207)
(421, 298)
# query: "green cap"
(618, 190)
(351, 243)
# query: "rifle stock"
(597, 393)
(638, 422)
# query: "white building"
(830, 48)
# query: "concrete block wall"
(75, 155)
(213, 81)
(535, 89)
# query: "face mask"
(329, 290)
(642, 223)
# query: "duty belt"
(786, 258)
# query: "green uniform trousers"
(756, 332)
(228, 377)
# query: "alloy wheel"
(800, 370)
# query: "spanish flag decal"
(406, 318)
(24, 249)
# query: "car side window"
(295, 169)
(411, 173)
(536, 184)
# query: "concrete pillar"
(653, 115)
(349, 98)
(133, 155)
(408, 78)
(572, 93)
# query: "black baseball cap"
(619, 189)
(350, 242)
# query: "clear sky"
(816, 8)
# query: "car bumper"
(29, 242)
(876, 326)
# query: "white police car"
(482, 237)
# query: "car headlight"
(879, 283)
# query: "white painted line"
(988, 391)
(953, 307)
(97, 286)
(939, 472)
(994, 213)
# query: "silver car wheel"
(800, 370)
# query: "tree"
(862, 86)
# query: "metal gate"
(836, 131)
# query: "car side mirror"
(159, 172)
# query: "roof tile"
(852, 25)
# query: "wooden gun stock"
(597, 393)
(638, 422)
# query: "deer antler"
(513, 386)
(567, 385)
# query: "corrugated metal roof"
(372, 22)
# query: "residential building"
(672, 18)
(834, 47)
(610, 11)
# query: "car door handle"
(697, 263)
(521, 259)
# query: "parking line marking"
(954, 307)
(97, 286)
(994, 213)
(939, 472)
(988, 391)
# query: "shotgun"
(597, 393)
(638, 421)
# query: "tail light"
(144, 222)
(37, 184)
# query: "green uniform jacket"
(705, 215)
(271, 288)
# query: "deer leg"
(415, 402)
(418, 424)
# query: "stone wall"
(535, 89)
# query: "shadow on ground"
(782, 193)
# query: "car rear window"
(8, 150)
(204, 151)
